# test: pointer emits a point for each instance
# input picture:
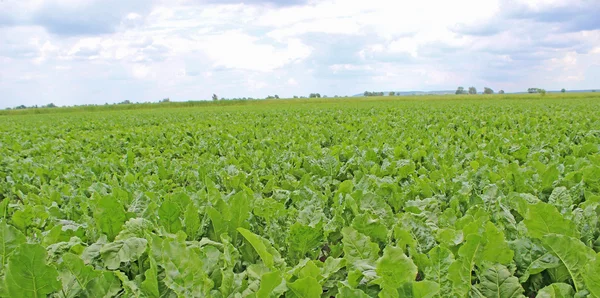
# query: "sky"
(72, 52)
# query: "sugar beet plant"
(428, 198)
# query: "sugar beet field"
(478, 196)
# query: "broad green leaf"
(106, 285)
(272, 284)
(371, 226)
(549, 177)
(559, 274)
(420, 289)
(532, 258)
(150, 284)
(122, 251)
(358, 248)
(10, 239)
(395, 268)
(561, 199)
(131, 288)
(556, 290)
(498, 282)
(219, 224)
(92, 252)
(543, 219)
(169, 215)
(303, 239)
(239, 209)
(183, 267)
(28, 275)
(135, 227)
(449, 237)
(307, 287)
(591, 276)
(420, 231)
(360, 255)
(460, 270)
(310, 269)
(496, 250)
(331, 266)
(109, 216)
(269, 209)
(572, 253)
(441, 259)
(346, 292)
(267, 253)
(192, 222)
(76, 276)
(31, 216)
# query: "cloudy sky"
(96, 51)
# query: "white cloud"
(292, 82)
(237, 50)
(190, 49)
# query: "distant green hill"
(446, 92)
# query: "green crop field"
(441, 196)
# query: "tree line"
(473, 90)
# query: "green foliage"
(543, 219)
(10, 239)
(28, 275)
(573, 254)
(465, 197)
(395, 268)
(497, 281)
(169, 215)
(109, 216)
(557, 290)
(122, 251)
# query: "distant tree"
(50, 105)
(532, 90)
(318, 95)
(125, 102)
(276, 96)
(392, 93)
(563, 90)
(460, 90)
(215, 97)
(542, 92)
(367, 93)
(472, 90)
(165, 100)
(21, 107)
(501, 92)
(324, 96)
(487, 90)
(295, 96)
(593, 90)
